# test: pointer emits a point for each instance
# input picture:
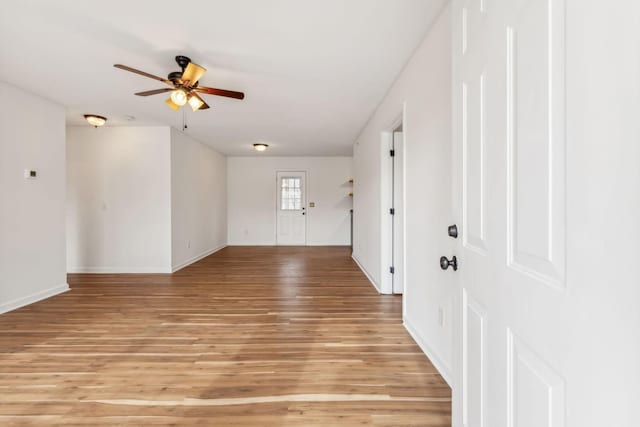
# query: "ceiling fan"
(184, 85)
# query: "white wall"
(424, 87)
(198, 200)
(603, 208)
(118, 199)
(32, 240)
(252, 198)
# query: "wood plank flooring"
(249, 336)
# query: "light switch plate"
(312, 204)
(30, 174)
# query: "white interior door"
(512, 336)
(291, 212)
(398, 214)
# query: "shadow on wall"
(344, 203)
(90, 240)
(345, 223)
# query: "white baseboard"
(330, 244)
(276, 244)
(442, 367)
(251, 244)
(197, 258)
(366, 273)
(119, 270)
(30, 299)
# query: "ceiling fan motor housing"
(175, 76)
(183, 61)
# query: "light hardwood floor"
(261, 336)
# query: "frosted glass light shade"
(172, 104)
(195, 103)
(179, 97)
(94, 120)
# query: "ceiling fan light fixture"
(195, 102)
(95, 120)
(260, 147)
(172, 104)
(179, 97)
(183, 85)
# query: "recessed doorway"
(397, 210)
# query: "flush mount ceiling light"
(94, 120)
(260, 147)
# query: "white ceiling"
(312, 71)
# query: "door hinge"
(392, 270)
(392, 211)
(392, 153)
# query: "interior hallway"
(247, 336)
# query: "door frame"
(306, 203)
(386, 201)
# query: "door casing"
(304, 175)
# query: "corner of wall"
(366, 273)
(198, 200)
(32, 222)
(35, 297)
(443, 368)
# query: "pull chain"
(184, 120)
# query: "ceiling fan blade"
(154, 92)
(219, 92)
(142, 73)
(192, 74)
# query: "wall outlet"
(246, 232)
(441, 317)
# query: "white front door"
(291, 222)
(513, 340)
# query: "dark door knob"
(452, 230)
(446, 263)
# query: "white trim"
(404, 209)
(399, 120)
(442, 367)
(30, 299)
(343, 244)
(386, 219)
(119, 270)
(304, 204)
(329, 244)
(251, 244)
(138, 270)
(197, 258)
(366, 273)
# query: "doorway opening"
(291, 215)
(397, 209)
(392, 205)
